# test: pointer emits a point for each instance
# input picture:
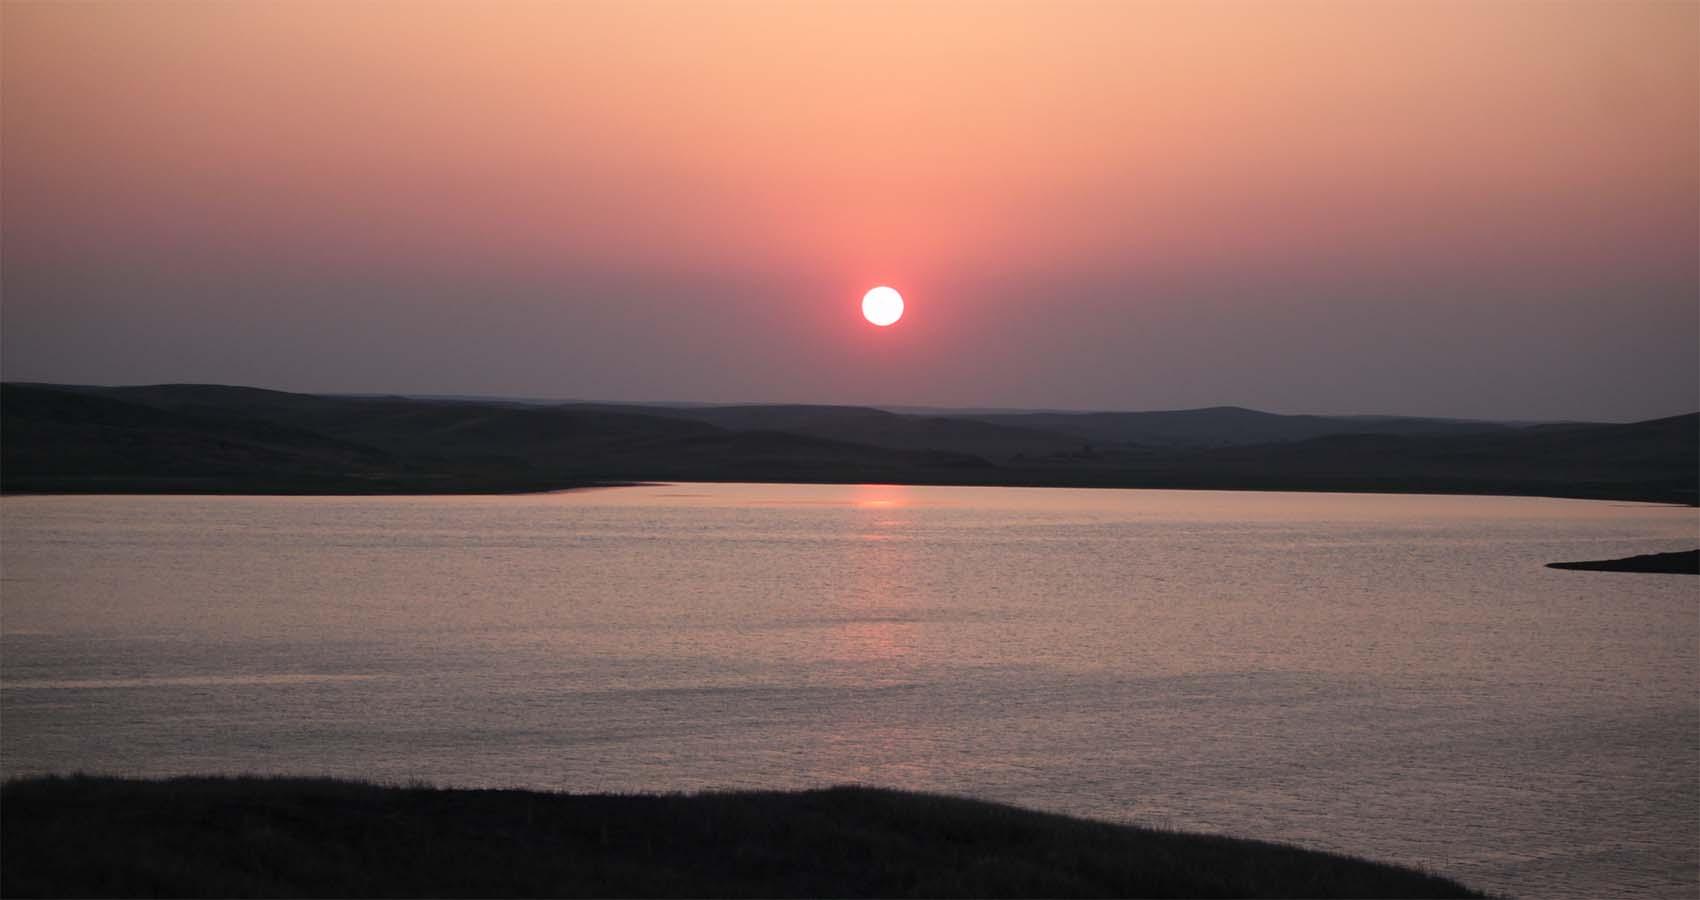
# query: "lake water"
(1390, 676)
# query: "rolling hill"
(1221, 426)
(216, 438)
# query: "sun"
(882, 306)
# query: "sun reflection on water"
(878, 614)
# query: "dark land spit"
(218, 439)
(192, 837)
(1682, 562)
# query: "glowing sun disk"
(882, 306)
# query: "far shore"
(409, 487)
(225, 487)
(222, 439)
(310, 837)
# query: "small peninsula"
(1682, 562)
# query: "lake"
(1396, 677)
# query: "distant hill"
(209, 437)
(217, 438)
(1657, 459)
(62, 436)
(878, 428)
(1220, 426)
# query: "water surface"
(1389, 676)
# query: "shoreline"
(250, 836)
(121, 487)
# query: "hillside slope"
(878, 428)
(218, 438)
(217, 837)
(1221, 426)
(53, 439)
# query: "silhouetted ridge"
(48, 431)
(1225, 425)
(232, 439)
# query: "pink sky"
(1485, 209)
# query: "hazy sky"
(1449, 208)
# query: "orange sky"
(1098, 158)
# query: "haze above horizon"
(1482, 211)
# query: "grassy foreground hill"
(220, 439)
(195, 837)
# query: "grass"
(89, 836)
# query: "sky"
(1477, 209)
